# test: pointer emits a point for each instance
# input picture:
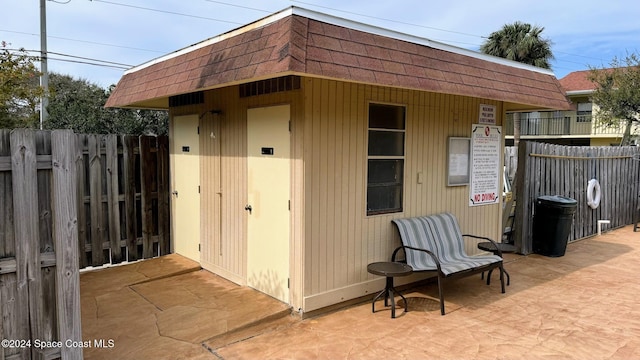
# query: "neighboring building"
(573, 127)
(295, 140)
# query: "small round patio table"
(504, 248)
(389, 270)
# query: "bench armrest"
(404, 247)
(486, 239)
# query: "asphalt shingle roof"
(297, 44)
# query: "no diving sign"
(486, 143)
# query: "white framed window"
(584, 112)
(385, 158)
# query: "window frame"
(584, 116)
(401, 158)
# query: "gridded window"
(385, 159)
(584, 112)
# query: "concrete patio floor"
(583, 305)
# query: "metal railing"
(570, 124)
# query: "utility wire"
(166, 12)
(390, 20)
(90, 59)
(354, 13)
(265, 11)
(84, 41)
(82, 60)
(583, 56)
(73, 56)
(422, 26)
(90, 63)
(239, 6)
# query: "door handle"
(248, 208)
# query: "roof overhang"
(308, 43)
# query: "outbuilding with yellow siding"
(295, 140)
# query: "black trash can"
(552, 224)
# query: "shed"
(296, 139)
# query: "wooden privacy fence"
(123, 196)
(546, 169)
(39, 281)
(510, 161)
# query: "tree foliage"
(20, 92)
(79, 105)
(74, 104)
(520, 42)
(617, 94)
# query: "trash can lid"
(557, 200)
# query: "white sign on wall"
(486, 142)
(487, 114)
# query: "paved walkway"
(167, 308)
(583, 305)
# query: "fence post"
(25, 208)
(81, 140)
(146, 204)
(95, 191)
(129, 144)
(5, 225)
(66, 239)
(164, 220)
(522, 200)
(113, 202)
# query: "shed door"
(268, 162)
(185, 198)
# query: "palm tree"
(520, 42)
(523, 43)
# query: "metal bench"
(435, 244)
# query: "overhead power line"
(239, 6)
(166, 12)
(83, 41)
(264, 11)
(389, 20)
(77, 59)
(90, 63)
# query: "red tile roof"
(291, 43)
(577, 81)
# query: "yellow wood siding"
(332, 239)
(340, 239)
(223, 218)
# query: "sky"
(125, 33)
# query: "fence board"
(129, 144)
(6, 238)
(163, 195)
(25, 188)
(48, 331)
(67, 198)
(113, 198)
(95, 191)
(66, 235)
(6, 198)
(133, 209)
(545, 169)
(146, 165)
(81, 143)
